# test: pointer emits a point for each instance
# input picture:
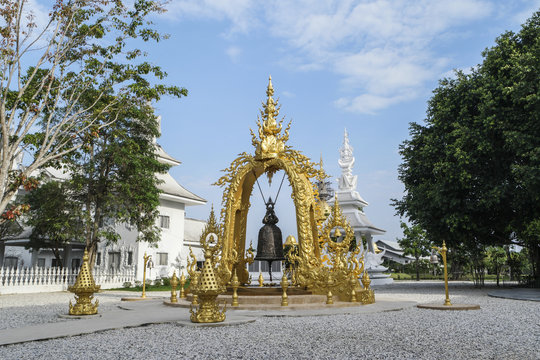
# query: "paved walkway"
(517, 294)
(134, 314)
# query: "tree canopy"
(415, 243)
(70, 78)
(55, 219)
(114, 177)
(472, 171)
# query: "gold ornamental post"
(284, 285)
(329, 295)
(174, 284)
(146, 258)
(354, 281)
(443, 251)
(235, 283)
(182, 284)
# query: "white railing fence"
(38, 279)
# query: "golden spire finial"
(270, 142)
(270, 126)
(270, 88)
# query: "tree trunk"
(535, 263)
(417, 269)
(56, 254)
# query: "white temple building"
(353, 205)
(125, 256)
(170, 253)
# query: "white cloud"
(288, 94)
(238, 12)
(380, 49)
(369, 103)
(233, 52)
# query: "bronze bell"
(270, 243)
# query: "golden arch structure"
(271, 155)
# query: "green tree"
(519, 263)
(84, 51)
(415, 243)
(496, 260)
(55, 219)
(511, 91)
(114, 177)
(471, 173)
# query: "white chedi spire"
(347, 181)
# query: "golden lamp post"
(447, 304)
(443, 251)
(146, 259)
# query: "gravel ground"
(29, 309)
(502, 329)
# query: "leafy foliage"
(87, 104)
(54, 218)
(114, 177)
(495, 260)
(415, 243)
(472, 172)
(84, 70)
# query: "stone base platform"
(136, 298)
(438, 306)
(270, 299)
(267, 291)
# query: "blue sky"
(368, 66)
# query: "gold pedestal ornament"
(174, 284)
(235, 283)
(193, 285)
(284, 285)
(354, 281)
(182, 285)
(207, 292)
(329, 298)
(261, 280)
(84, 289)
(367, 295)
(209, 283)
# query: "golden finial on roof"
(270, 126)
(270, 142)
(84, 288)
(270, 88)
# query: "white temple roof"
(390, 245)
(360, 222)
(172, 190)
(165, 158)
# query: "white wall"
(171, 243)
